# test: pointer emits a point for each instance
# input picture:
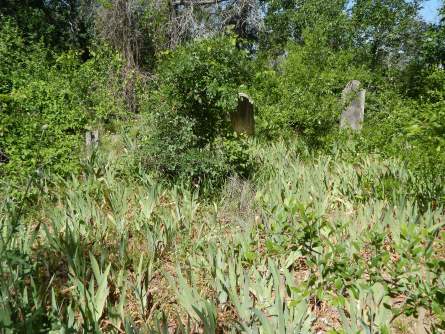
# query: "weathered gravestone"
(354, 113)
(4, 159)
(243, 118)
(92, 139)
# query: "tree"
(60, 24)
(286, 21)
(191, 19)
(387, 33)
(434, 44)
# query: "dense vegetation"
(174, 222)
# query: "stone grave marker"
(4, 159)
(354, 113)
(92, 139)
(243, 118)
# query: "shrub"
(46, 102)
(201, 81)
(405, 129)
(170, 147)
(187, 132)
(43, 116)
(237, 154)
(303, 93)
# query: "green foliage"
(114, 255)
(201, 81)
(169, 147)
(236, 151)
(369, 309)
(388, 33)
(407, 129)
(302, 95)
(286, 22)
(32, 126)
(11, 52)
(47, 101)
(187, 131)
(175, 223)
(58, 24)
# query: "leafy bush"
(47, 101)
(187, 132)
(169, 147)
(237, 153)
(405, 129)
(304, 93)
(201, 81)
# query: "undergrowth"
(319, 244)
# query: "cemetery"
(222, 166)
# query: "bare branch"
(198, 2)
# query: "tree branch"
(198, 2)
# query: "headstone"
(4, 159)
(354, 113)
(92, 139)
(243, 118)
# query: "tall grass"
(313, 245)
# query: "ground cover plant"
(172, 222)
(305, 246)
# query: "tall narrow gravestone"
(243, 118)
(4, 159)
(354, 98)
(92, 139)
